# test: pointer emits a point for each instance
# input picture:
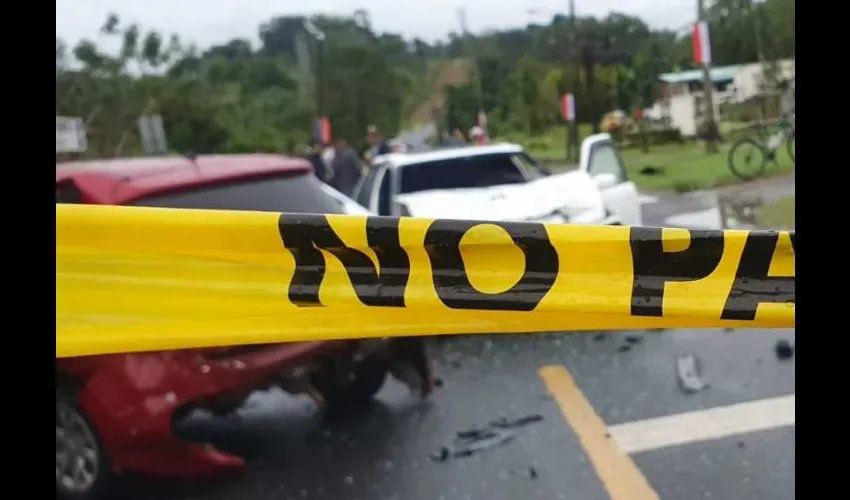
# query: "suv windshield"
(297, 194)
(469, 172)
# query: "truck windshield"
(296, 194)
(469, 172)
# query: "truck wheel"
(82, 468)
(359, 387)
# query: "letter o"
(451, 281)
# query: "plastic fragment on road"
(689, 374)
(475, 440)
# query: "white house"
(681, 94)
(749, 80)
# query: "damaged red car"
(117, 412)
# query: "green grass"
(778, 215)
(686, 167)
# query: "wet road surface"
(384, 451)
(700, 210)
(603, 399)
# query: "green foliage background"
(238, 98)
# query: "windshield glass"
(465, 172)
(297, 194)
(530, 166)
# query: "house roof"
(720, 74)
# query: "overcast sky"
(207, 22)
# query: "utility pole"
(319, 36)
(472, 59)
(710, 128)
(572, 127)
(755, 12)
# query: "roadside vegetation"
(777, 215)
(679, 167)
(264, 97)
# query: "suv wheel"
(82, 468)
(357, 387)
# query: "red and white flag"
(702, 43)
(322, 130)
(568, 107)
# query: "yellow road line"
(618, 473)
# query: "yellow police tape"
(139, 279)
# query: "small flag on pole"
(701, 43)
(322, 130)
(568, 107)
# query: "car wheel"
(357, 387)
(82, 468)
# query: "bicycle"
(761, 149)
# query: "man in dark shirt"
(345, 166)
(315, 158)
(377, 145)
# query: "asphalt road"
(598, 395)
(385, 451)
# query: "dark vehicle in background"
(116, 412)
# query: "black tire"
(741, 150)
(365, 380)
(79, 440)
(789, 143)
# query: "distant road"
(417, 139)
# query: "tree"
(235, 97)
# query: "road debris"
(474, 440)
(442, 455)
(532, 473)
(784, 350)
(634, 339)
(689, 373)
(504, 423)
(470, 446)
(624, 348)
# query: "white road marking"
(704, 425)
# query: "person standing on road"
(477, 135)
(454, 139)
(377, 145)
(315, 157)
(458, 136)
(345, 166)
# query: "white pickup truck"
(502, 182)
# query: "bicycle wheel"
(789, 143)
(751, 159)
